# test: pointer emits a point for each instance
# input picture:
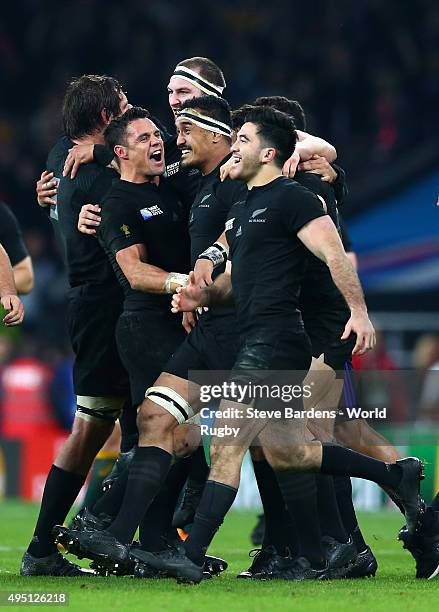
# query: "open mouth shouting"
(157, 157)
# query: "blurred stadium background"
(366, 73)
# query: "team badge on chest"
(152, 211)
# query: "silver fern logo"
(255, 216)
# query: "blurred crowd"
(365, 71)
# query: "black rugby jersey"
(268, 260)
(11, 238)
(318, 293)
(85, 260)
(143, 213)
(209, 210)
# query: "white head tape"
(201, 83)
(205, 122)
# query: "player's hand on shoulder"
(89, 218)
(78, 155)
(15, 310)
(46, 188)
(290, 166)
(225, 169)
(360, 324)
(189, 321)
(319, 165)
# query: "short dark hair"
(85, 98)
(116, 132)
(276, 129)
(285, 105)
(206, 68)
(239, 116)
(211, 106)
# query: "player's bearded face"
(145, 151)
(192, 142)
(180, 90)
(246, 153)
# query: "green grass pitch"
(394, 587)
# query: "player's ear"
(105, 116)
(268, 154)
(216, 137)
(121, 152)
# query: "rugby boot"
(407, 493)
(301, 569)
(364, 566)
(425, 551)
(339, 554)
(189, 504)
(172, 562)
(214, 565)
(86, 521)
(52, 565)
(99, 546)
(121, 464)
(264, 560)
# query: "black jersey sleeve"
(102, 155)
(300, 208)
(10, 235)
(314, 183)
(228, 192)
(120, 225)
(340, 186)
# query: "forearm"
(7, 285)
(309, 145)
(219, 293)
(24, 276)
(150, 279)
(347, 281)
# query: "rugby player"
(8, 292)
(164, 407)
(259, 154)
(191, 77)
(100, 381)
(12, 241)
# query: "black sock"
(435, 503)
(280, 530)
(331, 523)
(60, 491)
(300, 494)
(215, 502)
(110, 502)
(157, 522)
(343, 491)
(199, 470)
(340, 461)
(146, 475)
(128, 426)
